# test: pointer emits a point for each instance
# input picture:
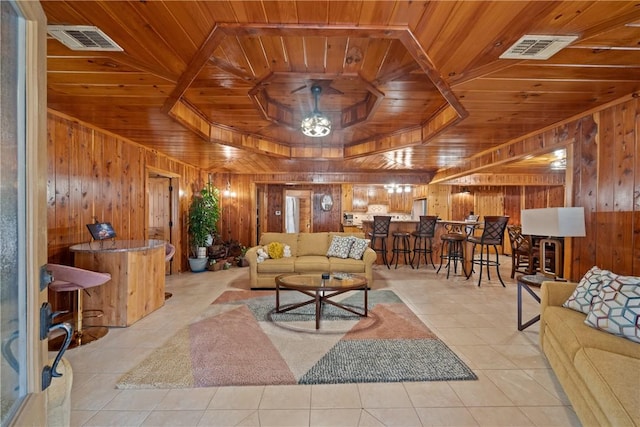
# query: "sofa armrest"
(369, 256)
(252, 258)
(555, 293)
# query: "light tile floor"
(515, 385)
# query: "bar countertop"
(117, 245)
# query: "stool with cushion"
(492, 237)
(423, 240)
(380, 234)
(67, 278)
(169, 252)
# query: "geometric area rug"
(240, 340)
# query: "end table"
(526, 282)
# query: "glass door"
(12, 224)
(23, 236)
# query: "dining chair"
(524, 256)
(492, 237)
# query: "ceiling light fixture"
(316, 124)
(560, 164)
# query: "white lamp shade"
(554, 222)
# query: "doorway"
(161, 208)
(297, 211)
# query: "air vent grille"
(537, 47)
(82, 37)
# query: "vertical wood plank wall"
(607, 183)
(96, 175)
(93, 173)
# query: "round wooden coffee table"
(321, 290)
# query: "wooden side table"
(527, 282)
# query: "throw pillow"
(616, 308)
(358, 247)
(340, 246)
(275, 250)
(585, 291)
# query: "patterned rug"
(240, 340)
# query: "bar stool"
(423, 235)
(401, 245)
(454, 244)
(169, 252)
(380, 233)
(67, 278)
(492, 237)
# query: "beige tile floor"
(515, 385)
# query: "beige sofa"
(308, 255)
(599, 372)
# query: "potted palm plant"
(204, 214)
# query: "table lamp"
(553, 223)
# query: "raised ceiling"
(409, 86)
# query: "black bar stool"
(380, 233)
(492, 237)
(452, 250)
(401, 245)
(423, 240)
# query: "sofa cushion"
(290, 239)
(311, 264)
(587, 289)
(616, 308)
(282, 265)
(340, 246)
(614, 379)
(313, 243)
(358, 247)
(346, 265)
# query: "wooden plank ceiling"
(409, 86)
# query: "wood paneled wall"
(93, 175)
(606, 181)
(449, 203)
(96, 174)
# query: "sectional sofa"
(308, 254)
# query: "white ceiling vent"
(537, 47)
(78, 37)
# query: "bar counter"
(442, 227)
(394, 227)
(137, 282)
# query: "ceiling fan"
(325, 86)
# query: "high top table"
(136, 287)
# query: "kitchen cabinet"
(347, 198)
(400, 202)
(378, 196)
(360, 199)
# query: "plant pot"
(202, 252)
(198, 264)
(243, 262)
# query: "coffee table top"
(313, 282)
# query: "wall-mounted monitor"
(101, 230)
